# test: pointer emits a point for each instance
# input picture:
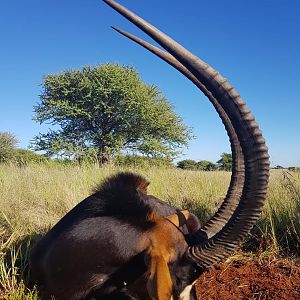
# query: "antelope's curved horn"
(230, 202)
(251, 141)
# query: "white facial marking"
(185, 294)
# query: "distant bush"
(296, 169)
(278, 167)
(206, 165)
(187, 164)
(23, 157)
(140, 161)
(202, 165)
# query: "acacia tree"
(104, 109)
(225, 163)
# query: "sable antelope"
(121, 243)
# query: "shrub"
(187, 164)
(23, 157)
(202, 165)
(205, 165)
(7, 144)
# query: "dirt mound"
(265, 279)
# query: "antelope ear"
(180, 218)
(159, 283)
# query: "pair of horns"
(248, 187)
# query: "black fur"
(100, 243)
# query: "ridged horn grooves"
(254, 149)
(230, 202)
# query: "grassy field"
(35, 197)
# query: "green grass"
(33, 198)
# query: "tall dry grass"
(33, 198)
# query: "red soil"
(248, 279)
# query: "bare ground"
(251, 279)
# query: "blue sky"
(254, 44)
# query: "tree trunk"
(102, 156)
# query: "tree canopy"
(99, 111)
(225, 163)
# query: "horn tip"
(115, 28)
